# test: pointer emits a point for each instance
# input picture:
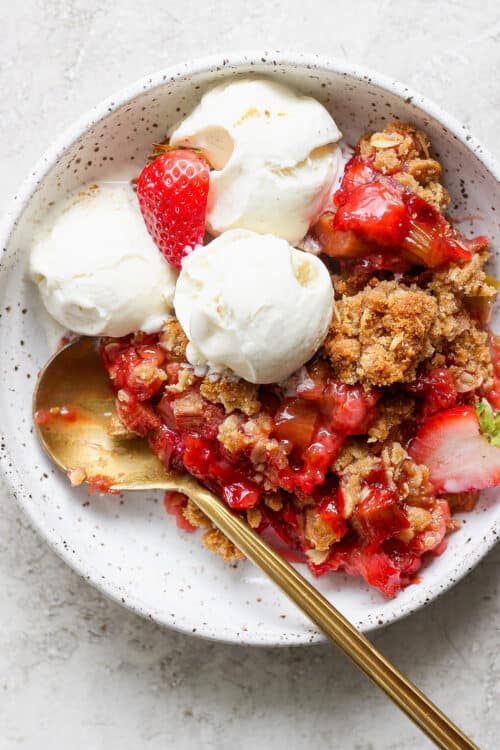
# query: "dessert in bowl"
(323, 356)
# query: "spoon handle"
(444, 733)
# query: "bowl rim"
(20, 200)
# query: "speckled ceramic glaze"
(127, 546)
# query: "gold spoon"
(75, 378)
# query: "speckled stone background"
(77, 671)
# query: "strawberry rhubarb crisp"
(312, 338)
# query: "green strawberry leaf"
(489, 422)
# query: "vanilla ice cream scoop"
(273, 155)
(98, 270)
(253, 304)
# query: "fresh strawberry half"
(172, 192)
(459, 456)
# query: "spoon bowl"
(74, 415)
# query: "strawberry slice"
(357, 172)
(459, 457)
(376, 212)
(173, 192)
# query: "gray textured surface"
(77, 671)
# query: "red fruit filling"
(101, 484)
(65, 413)
(378, 517)
(375, 211)
(305, 431)
(494, 393)
(436, 388)
(175, 502)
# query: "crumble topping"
(380, 335)
(452, 318)
(409, 479)
(274, 501)
(317, 531)
(403, 151)
(195, 516)
(76, 476)
(232, 394)
(419, 518)
(419, 180)
(146, 373)
(173, 339)
(470, 361)
(354, 449)
(407, 142)
(394, 410)
(236, 434)
(231, 435)
(254, 517)
(185, 380)
(346, 284)
(215, 541)
(466, 280)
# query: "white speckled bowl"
(128, 547)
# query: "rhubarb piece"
(378, 517)
(430, 240)
(338, 243)
(296, 421)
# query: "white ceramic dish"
(128, 547)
